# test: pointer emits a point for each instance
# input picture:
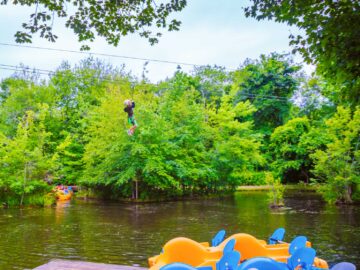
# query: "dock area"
(80, 265)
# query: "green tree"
(212, 83)
(166, 156)
(78, 91)
(68, 161)
(330, 40)
(236, 150)
(269, 85)
(20, 96)
(338, 165)
(288, 155)
(24, 164)
(109, 19)
(309, 100)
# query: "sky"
(212, 33)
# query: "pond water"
(128, 234)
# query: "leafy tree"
(68, 161)
(309, 101)
(198, 134)
(212, 83)
(24, 163)
(269, 85)
(109, 19)
(166, 155)
(189, 133)
(288, 155)
(330, 41)
(19, 97)
(78, 91)
(338, 165)
(236, 146)
(291, 146)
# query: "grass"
(33, 200)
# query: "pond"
(121, 233)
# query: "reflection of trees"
(130, 233)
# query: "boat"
(63, 193)
(182, 253)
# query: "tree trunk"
(347, 195)
(303, 172)
(24, 185)
(136, 190)
(132, 190)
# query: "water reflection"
(128, 234)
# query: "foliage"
(269, 85)
(236, 147)
(309, 100)
(167, 154)
(287, 151)
(20, 96)
(68, 160)
(276, 193)
(109, 19)
(24, 166)
(212, 83)
(330, 40)
(198, 133)
(338, 165)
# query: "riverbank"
(299, 187)
(90, 194)
(98, 195)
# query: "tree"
(212, 83)
(21, 96)
(109, 19)
(236, 151)
(309, 101)
(288, 155)
(166, 156)
(269, 84)
(24, 163)
(338, 166)
(78, 91)
(331, 41)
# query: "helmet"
(127, 102)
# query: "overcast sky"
(212, 32)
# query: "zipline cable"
(102, 54)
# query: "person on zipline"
(129, 109)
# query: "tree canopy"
(201, 133)
(331, 40)
(109, 19)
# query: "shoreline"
(299, 187)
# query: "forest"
(200, 133)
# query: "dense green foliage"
(109, 19)
(339, 164)
(330, 39)
(269, 85)
(204, 133)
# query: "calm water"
(129, 234)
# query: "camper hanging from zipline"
(129, 109)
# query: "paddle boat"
(302, 258)
(63, 193)
(190, 252)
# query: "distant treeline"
(206, 132)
